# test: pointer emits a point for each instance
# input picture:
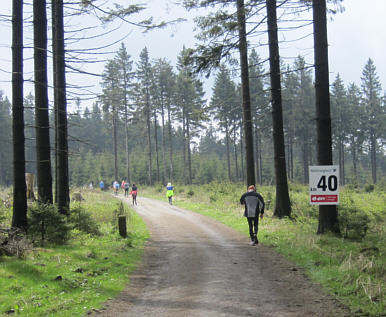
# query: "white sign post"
(324, 184)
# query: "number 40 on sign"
(324, 184)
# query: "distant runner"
(254, 204)
(170, 193)
(127, 186)
(116, 187)
(134, 191)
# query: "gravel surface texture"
(195, 266)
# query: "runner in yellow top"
(170, 193)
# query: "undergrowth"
(76, 277)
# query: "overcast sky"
(355, 35)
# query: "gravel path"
(195, 266)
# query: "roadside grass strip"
(75, 278)
(351, 270)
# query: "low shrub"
(46, 224)
(353, 222)
(369, 188)
(190, 193)
(82, 220)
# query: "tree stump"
(77, 197)
(122, 226)
(29, 179)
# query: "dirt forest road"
(195, 266)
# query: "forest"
(196, 141)
(260, 119)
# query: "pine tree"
(371, 90)
(339, 124)
(163, 97)
(111, 103)
(222, 104)
(126, 77)
(145, 79)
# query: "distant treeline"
(174, 134)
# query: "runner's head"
(251, 188)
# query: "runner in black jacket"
(254, 204)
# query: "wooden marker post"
(122, 226)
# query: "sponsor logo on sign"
(324, 198)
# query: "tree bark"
(242, 151)
(62, 151)
(43, 149)
(171, 172)
(235, 150)
(115, 141)
(163, 142)
(305, 157)
(328, 215)
(56, 100)
(148, 123)
(247, 116)
(126, 125)
(19, 215)
(189, 151)
(228, 151)
(354, 158)
(282, 206)
(156, 144)
(373, 155)
(257, 150)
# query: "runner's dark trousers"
(253, 223)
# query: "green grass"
(92, 268)
(353, 271)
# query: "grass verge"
(73, 279)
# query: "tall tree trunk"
(19, 216)
(257, 150)
(156, 144)
(373, 150)
(55, 83)
(149, 138)
(126, 128)
(235, 151)
(288, 158)
(247, 116)
(43, 149)
(127, 146)
(305, 157)
(282, 206)
(62, 151)
(163, 143)
(171, 172)
(242, 151)
(342, 167)
(189, 151)
(184, 143)
(228, 151)
(260, 161)
(291, 151)
(328, 214)
(354, 158)
(115, 142)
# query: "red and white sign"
(324, 185)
